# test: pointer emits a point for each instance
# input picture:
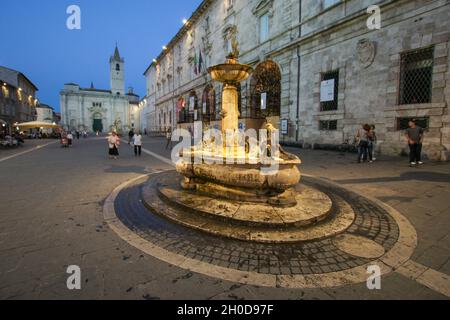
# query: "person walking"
(114, 144)
(69, 139)
(362, 139)
(372, 142)
(415, 135)
(137, 142)
(169, 138)
(130, 136)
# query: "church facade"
(96, 110)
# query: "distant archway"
(181, 110)
(209, 112)
(73, 124)
(265, 79)
(97, 125)
(193, 107)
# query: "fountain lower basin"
(245, 179)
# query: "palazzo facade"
(320, 70)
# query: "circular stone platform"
(315, 216)
(388, 241)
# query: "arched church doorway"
(98, 123)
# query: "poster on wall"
(284, 127)
(264, 101)
(204, 107)
(327, 91)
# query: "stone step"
(340, 219)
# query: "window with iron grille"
(331, 105)
(328, 125)
(403, 123)
(416, 76)
(265, 79)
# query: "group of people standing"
(366, 140)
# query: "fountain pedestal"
(230, 112)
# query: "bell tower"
(117, 73)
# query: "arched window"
(265, 81)
(181, 110)
(192, 107)
(117, 67)
(209, 104)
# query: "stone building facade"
(322, 69)
(17, 99)
(97, 110)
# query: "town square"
(237, 150)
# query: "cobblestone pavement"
(51, 217)
(312, 257)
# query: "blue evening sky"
(34, 40)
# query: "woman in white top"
(70, 138)
(137, 141)
(114, 143)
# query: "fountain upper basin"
(230, 72)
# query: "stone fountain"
(243, 178)
(230, 194)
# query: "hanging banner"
(327, 91)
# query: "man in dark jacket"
(415, 135)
